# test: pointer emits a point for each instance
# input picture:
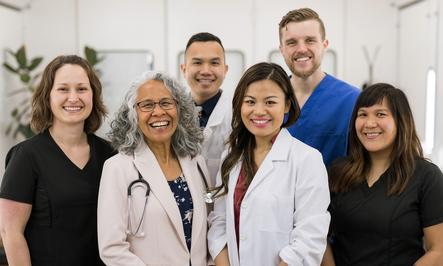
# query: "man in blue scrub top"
(326, 103)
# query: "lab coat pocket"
(276, 213)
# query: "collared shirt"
(207, 107)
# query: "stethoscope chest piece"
(208, 197)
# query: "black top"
(370, 228)
(62, 228)
(207, 108)
(182, 195)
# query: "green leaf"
(34, 63)
(14, 112)
(10, 68)
(25, 77)
(91, 55)
(20, 56)
(32, 89)
(8, 130)
(25, 130)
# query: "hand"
(282, 263)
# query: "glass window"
(428, 143)
(117, 70)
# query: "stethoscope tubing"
(143, 183)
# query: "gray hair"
(125, 134)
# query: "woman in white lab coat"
(151, 209)
(272, 195)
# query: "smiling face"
(376, 129)
(71, 96)
(204, 69)
(303, 47)
(158, 125)
(263, 109)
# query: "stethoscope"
(141, 182)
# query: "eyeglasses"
(149, 106)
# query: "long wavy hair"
(345, 174)
(125, 134)
(241, 141)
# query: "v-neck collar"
(315, 95)
(57, 147)
(377, 186)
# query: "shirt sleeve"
(431, 196)
(311, 217)
(217, 238)
(20, 178)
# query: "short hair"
(125, 135)
(241, 141)
(204, 37)
(42, 116)
(300, 15)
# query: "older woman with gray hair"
(151, 208)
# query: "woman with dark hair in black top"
(386, 198)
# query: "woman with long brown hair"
(272, 198)
(385, 196)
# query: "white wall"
(10, 38)
(50, 29)
(163, 27)
(438, 140)
(231, 25)
(123, 25)
(370, 27)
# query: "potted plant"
(24, 69)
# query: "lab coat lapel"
(149, 168)
(217, 116)
(193, 178)
(230, 226)
(265, 168)
(278, 152)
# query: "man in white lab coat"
(204, 69)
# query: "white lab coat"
(164, 241)
(283, 213)
(216, 133)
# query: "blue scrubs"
(324, 118)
